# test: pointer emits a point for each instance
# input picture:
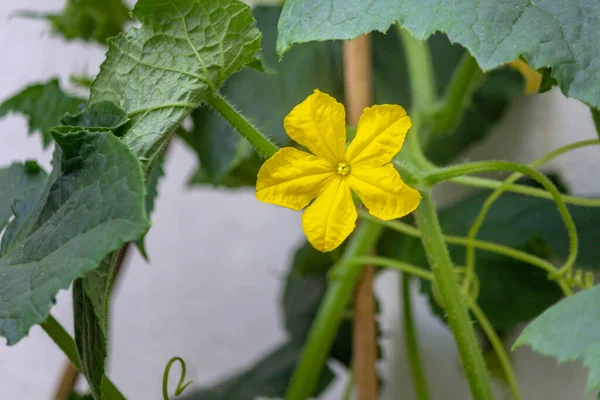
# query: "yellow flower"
(293, 178)
(533, 79)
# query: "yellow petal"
(319, 124)
(331, 217)
(292, 178)
(382, 191)
(533, 79)
(379, 136)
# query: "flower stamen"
(343, 168)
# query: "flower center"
(343, 168)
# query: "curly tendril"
(180, 385)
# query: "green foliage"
(92, 204)
(265, 98)
(494, 32)
(569, 331)
(226, 159)
(160, 72)
(596, 118)
(43, 104)
(510, 291)
(88, 20)
(268, 377)
(304, 289)
(19, 181)
(104, 114)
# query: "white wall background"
(211, 292)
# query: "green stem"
(411, 343)
(410, 230)
(470, 250)
(498, 347)
(489, 166)
(341, 269)
(263, 145)
(330, 315)
(458, 94)
(420, 70)
(451, 299)
(475, 181)
(65, 342)
(62, 339)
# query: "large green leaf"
(44, 104)
(551, 33)
(160, 72)
(89, 20)
(19, 181)
(94, 202)
(569, 331)
(264, 98)
(269, 377)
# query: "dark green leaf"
(94, 202)
(269, 377)
(109, 391)
(88, 20)
(553, 33)
(19, 181)
(244, 174)
(160, 72)
(103, 114)
(90, 334)
(596, 118)
(43, 104)
(264, 98)
(511, 291)
(569, 331)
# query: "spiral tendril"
(181, 386)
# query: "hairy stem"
(262, 144)
(452, 300)
(465, 80)
(330, 315)
(411, 342)
(420, 70)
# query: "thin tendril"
(489, 166)
(495, 195)
(181, 386)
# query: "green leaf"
(569, 331)
(596, 118)
(104, 114)
(109, 391)
(88, 20)
(43, 104)
(19, 181)
(160, 72)
(265, 98)
(77, 396)
(90, 334)
(268, 377)
(553, 33)
(92, 204)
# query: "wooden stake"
(358, 85)
(69, 378)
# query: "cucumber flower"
(293, 178)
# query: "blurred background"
(218, 256)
